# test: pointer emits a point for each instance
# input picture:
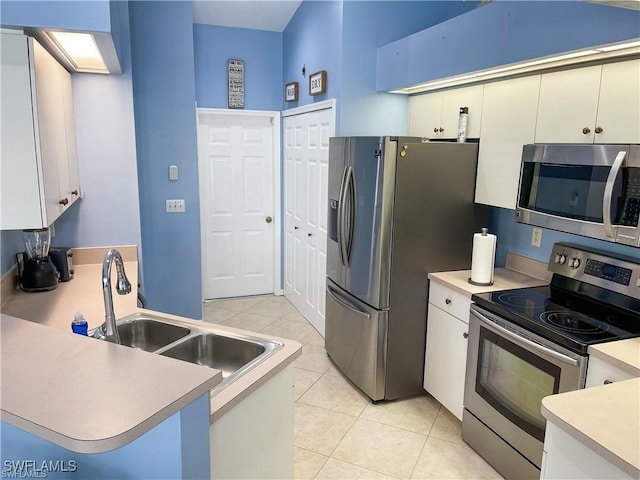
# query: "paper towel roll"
(483, 258)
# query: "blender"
(36, 273)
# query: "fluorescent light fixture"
(596, 53)
(81, 51)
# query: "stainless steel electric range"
(525, 344)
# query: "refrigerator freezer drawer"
(355, 339)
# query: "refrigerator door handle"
(351, 188)
(340, 219)
(344, 303)
(342, 233)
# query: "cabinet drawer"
(600, 372)
(450, 301)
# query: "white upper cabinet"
(39, 160)
(618, 118)
(595, 104)
(435, 115)
(509, 110)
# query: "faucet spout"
(123, 286)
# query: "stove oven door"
(509, 371)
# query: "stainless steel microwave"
(589, 190)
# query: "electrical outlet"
(536, 237)
(175, 205)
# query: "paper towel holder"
(482, 284)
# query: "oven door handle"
(525, 341)
(608, 194)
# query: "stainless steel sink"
(232, 353)
(227, 354)
(149, 334)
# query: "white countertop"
(98, 396)
(624, 354)
(604, 418)
(503, 279)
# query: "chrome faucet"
(108, 331)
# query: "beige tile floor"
(339, 433)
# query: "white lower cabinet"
(255, 438)
(446, 349)
(600, 372)
(564, 457)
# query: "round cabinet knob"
(575, 262)
(448, 301)
(435, 130)
(309, 234)
(465, 335)
(607, 382)
(586, 130)
(269, 220)
(598, 130)
(296, 228)
(64, 201)
(74, 192)
(441, 130)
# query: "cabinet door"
(508, 122)
(452, 100)
(424, 115)
(70, 128)
(568, 106)
(446, 359)
(19, 188)
(52, 133)
(618, 103)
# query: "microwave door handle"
(525, 341)
(608, 193)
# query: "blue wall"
(262, 55)
(165, 120)
(500, 33)
(367, 26)
(87, 15)
(108, 214)
(516, 237)
(176, 448)
(313, 38)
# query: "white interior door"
(237, 207)
(306, 164)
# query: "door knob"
(268, 219)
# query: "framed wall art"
(236, 83)
(291, 92)
(318, 83)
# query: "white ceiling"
(269, 15)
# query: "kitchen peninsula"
(114, 410)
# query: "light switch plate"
(175, 205)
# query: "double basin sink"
(231, 353)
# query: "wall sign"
(236, 83)
(318, 83)
(291, 92)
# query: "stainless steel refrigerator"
(399, 208)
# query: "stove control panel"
(609, 271)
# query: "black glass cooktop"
(566, 319)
